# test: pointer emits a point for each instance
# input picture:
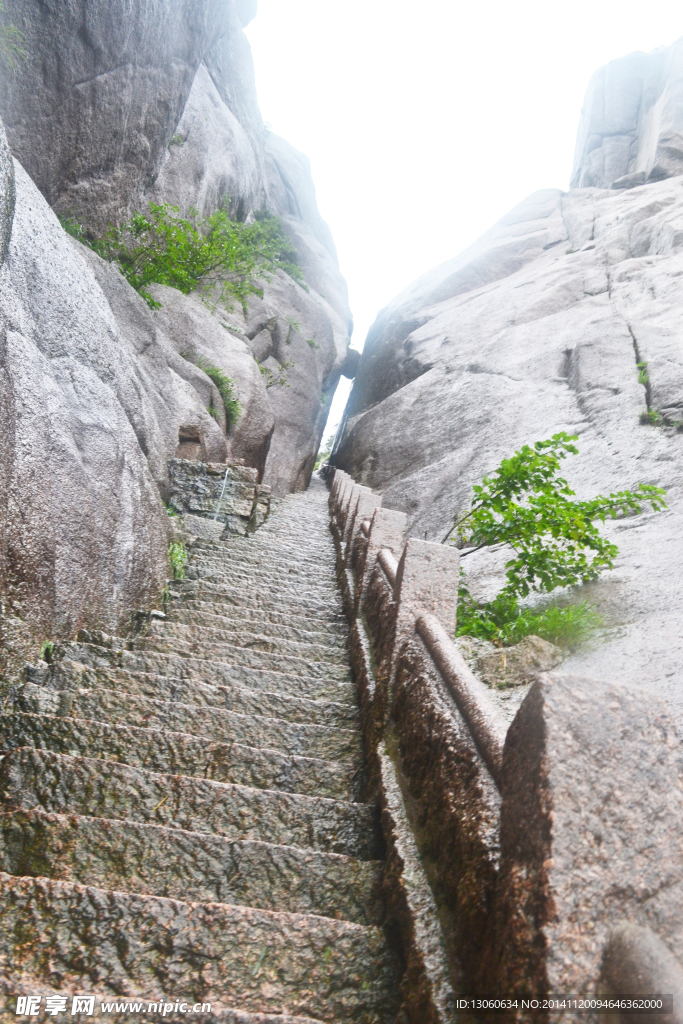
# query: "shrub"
(177, 556)
(555, 539)
(326, 450)
(226, 389)
(216, 254)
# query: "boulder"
(92, 109)
(84, 529)
(540, 327)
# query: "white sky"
(426, 121)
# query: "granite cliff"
(115, 105)
(539, 327)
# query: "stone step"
(214, 620)
(311, 687)
(143, 945)
(64, 784)
(265, 572)
(71, 675)
(180, 754)
(213, 725)
(190, 866)
(319, 568)
(244, 657)
(180, 605)
(276, 587)
(216, 637)
(252, 597)
(257, 655)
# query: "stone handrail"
(389, 564)
(506, 817)
(486, 726)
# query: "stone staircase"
(182, 814)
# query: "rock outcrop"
(631, 127)
(545, 324)
(116, 105)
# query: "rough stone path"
(182, 814)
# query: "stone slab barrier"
(541, 859)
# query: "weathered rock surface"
(538, 327)
(631, 127)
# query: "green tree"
(221, 257)
(555, 538)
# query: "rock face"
(115, 105)
(118, 105)
(631, 128)
(540, 327)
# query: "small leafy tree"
(220, 256)
(555, 538)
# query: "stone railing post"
(387, 530)
(335, 490)
(427, 581)
(365, 507)
(591, 820)
(350, 509)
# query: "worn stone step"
(275, 586)
(269, 576)
(309, 686)
(252, 597)
(71, 675)
(334, 626)
(202, 636)
(181, 754)
(62, 783)
(215, 621)
(190, 866)
(141, 945)
(244, 657)
(268, 561)
(260, 653)
(213, 725)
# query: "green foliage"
(76, 230)
(171, 511)
(215, 254)
(177, 556)
(11, 44)
(555, 539)
(312, 343)
(652, 416)
(325, 450)
(47, 649)
(226, 389)
(278, 379)
(643, 375)
(177, 140)
(503, 622)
